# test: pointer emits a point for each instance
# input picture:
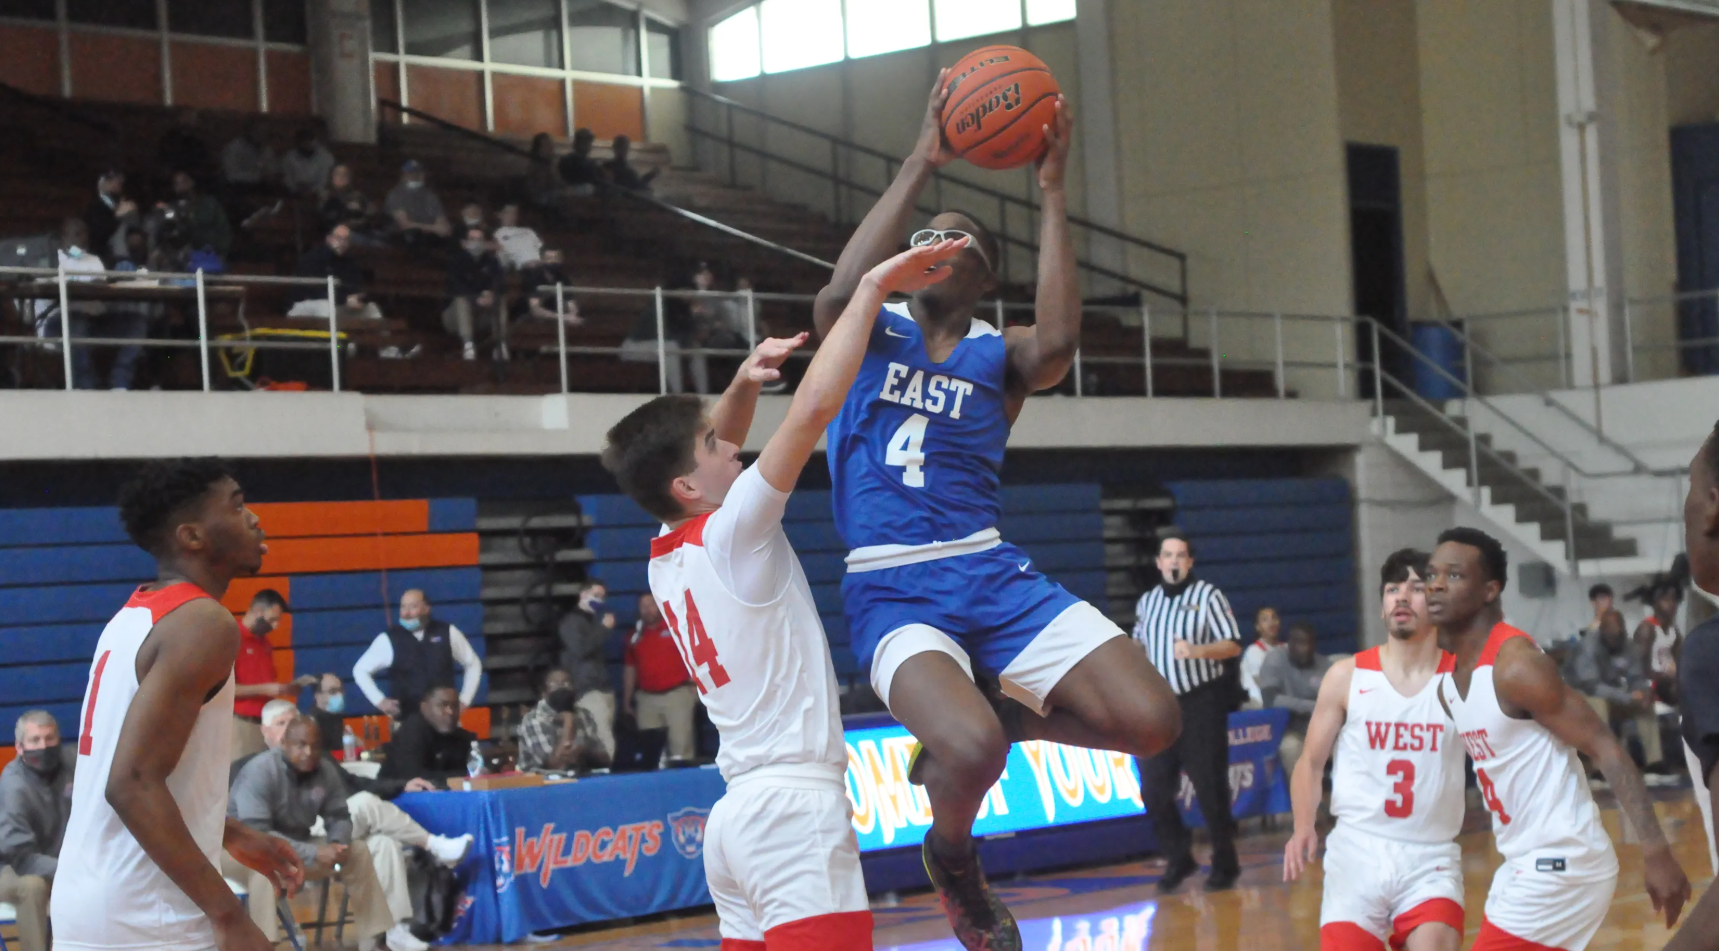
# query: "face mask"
(261, 628)
(594, 604)
(74, 252)
(414, 185)
(560, 699)
(473, 222)
(335, 703)
(411, 623)
(45, 761)
(474, 248)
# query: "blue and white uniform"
(914, 461)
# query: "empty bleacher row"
(64, 572)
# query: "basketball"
(1000, 100)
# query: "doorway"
(1376, 255)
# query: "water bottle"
(474, 762)
(349, 747)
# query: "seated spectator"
(517, 246)
(1290, 679)
(306, 166)
(110, 215)
(182, 147)
(35, 802)
(284, 792)
(1610, 673)
(542, 188)
(1266, 627)
(1659, 639)
(656, 690)
(474, 291)
(90, 318)
(204, 222)
(344, 204)
(326, 260)
(719, 323)
(556, 735)
(578, 170)
(430, 744)
(621, 172)
(247, 161)
(415, 209)
(330, 711)
(538, 303)
(473, 215)
(585, 632)
(417, 653)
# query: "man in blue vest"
(418, 653)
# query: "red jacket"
(652, 653)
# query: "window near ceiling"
(228, 18)
(959, 19)
(1040, 12)
(444, 28)
(602, 37)
(662, 43)
(384, 31)
(283, 21)
(525, 32)
(800, 33)
(135, 14)
(884, 26)
(28, 9)
(734, 47)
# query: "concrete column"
(1095, 124)
(340, 68)
(1588, 138)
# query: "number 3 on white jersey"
(907, 448)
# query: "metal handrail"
(691, 216)
(939, 178)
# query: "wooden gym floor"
(1117, 908)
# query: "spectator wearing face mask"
(416, 210)
(585, 634)
(474, 292)
(418, 654)
(35, 802)
(254, 672)
(330, 711)
(109, 213)
(306, 166)
(556, 735)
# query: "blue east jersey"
(915, 456)
(916, 450)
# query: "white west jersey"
(1399, 771)
(107, 892)
(742, 614)
(1530, 780)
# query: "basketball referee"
(1188, 631)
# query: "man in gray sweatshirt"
(1290, 679)
(35, 801)
(284, 792)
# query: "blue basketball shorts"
(989, 609)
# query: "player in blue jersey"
(933, 595)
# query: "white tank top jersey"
(737, 602)
(1530, 780)
(107, 892)
(1399, 771)
(1662, 653)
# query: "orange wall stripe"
(7, 755)
(294, 556)
(283, 665)
(308, 519)
(476, 719)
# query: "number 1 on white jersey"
(907, 448)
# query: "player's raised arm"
(731, 417)
(177, 673)
(879, 233)
(1527, 679)
(827, 381)
(1040, 355)
(1305, 791)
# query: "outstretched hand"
(1053, 165)
(270, 855)
(764, 365)
(932, 148)
(916, 268)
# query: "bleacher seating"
(342, 566)
(1286, 543)
(1060, 526)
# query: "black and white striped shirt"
(1199, 614)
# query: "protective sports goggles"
(929, 236)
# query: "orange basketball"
(1000, 100)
